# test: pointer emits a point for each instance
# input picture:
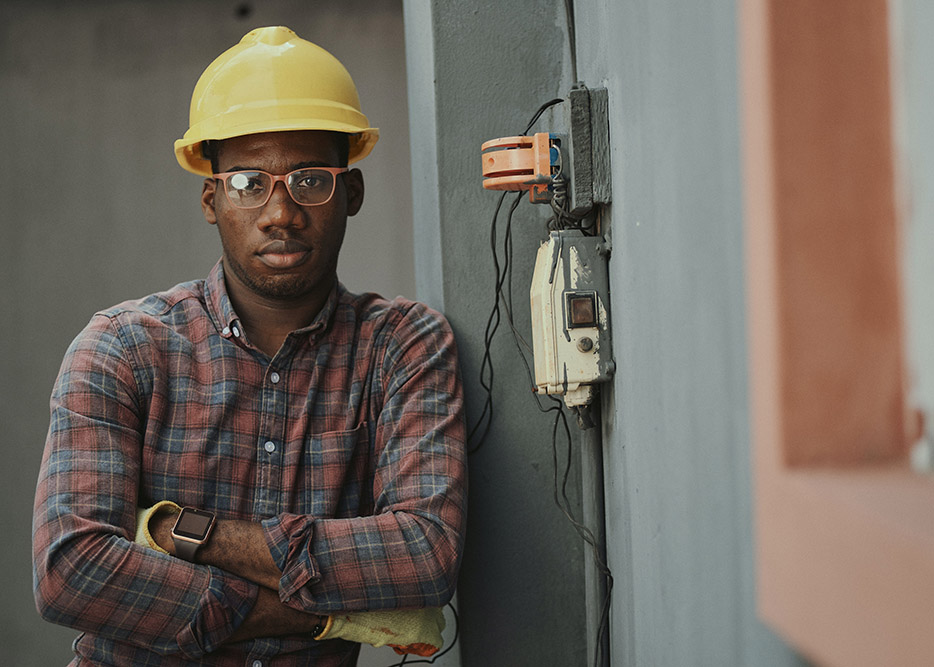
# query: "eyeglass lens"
(249, 189)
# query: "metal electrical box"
(570, 316)
(570, 286)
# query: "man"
(313, 436)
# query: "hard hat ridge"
(273, 80)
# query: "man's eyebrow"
(312, 163)
(300, 165)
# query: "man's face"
(282, 251)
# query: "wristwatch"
(191, 530)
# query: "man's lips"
(283, 254)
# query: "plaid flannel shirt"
(347, 445)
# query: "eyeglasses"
(310, 186)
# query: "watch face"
(193, 524)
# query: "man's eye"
(247, 182)
(309, 181)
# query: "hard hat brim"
(189, 155)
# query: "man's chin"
(278, 286)
(281, 287)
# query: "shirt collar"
(324, 317)
(218, 303)
(225, 318)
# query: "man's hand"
(271, 618)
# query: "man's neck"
(268, 321)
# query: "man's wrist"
(236, 546)
(270, 618)
(160, 527)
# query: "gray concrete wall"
(479, 70)
(676, 434)
(677, 454)
(676, 445)
(96, 210)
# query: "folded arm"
(416, 631)
(87, 572)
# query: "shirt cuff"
(224, 606)
(288, 537)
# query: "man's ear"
(208, 190)
(353, 181)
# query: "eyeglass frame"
(277, 178)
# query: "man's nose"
(281, 210)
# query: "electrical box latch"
(570, 316)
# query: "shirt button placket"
(268, 494)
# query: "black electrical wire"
(572, 36)
(486, 363)
(583, 532)
(562, 218)
(538, 114)
(501, 274)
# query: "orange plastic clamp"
(518, 163)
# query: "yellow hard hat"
(273, 80)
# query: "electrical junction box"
(522, 163)
(581, 158)
(570, 316)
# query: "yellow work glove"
(143, 515)
(416, 631)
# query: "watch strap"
(185, 549)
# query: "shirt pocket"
(339, 474)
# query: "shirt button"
(236, 332)
(270, 446)
(274, 377)
(226, 331)
(257, 663)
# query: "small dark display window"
(193, 524)
(581, 309)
